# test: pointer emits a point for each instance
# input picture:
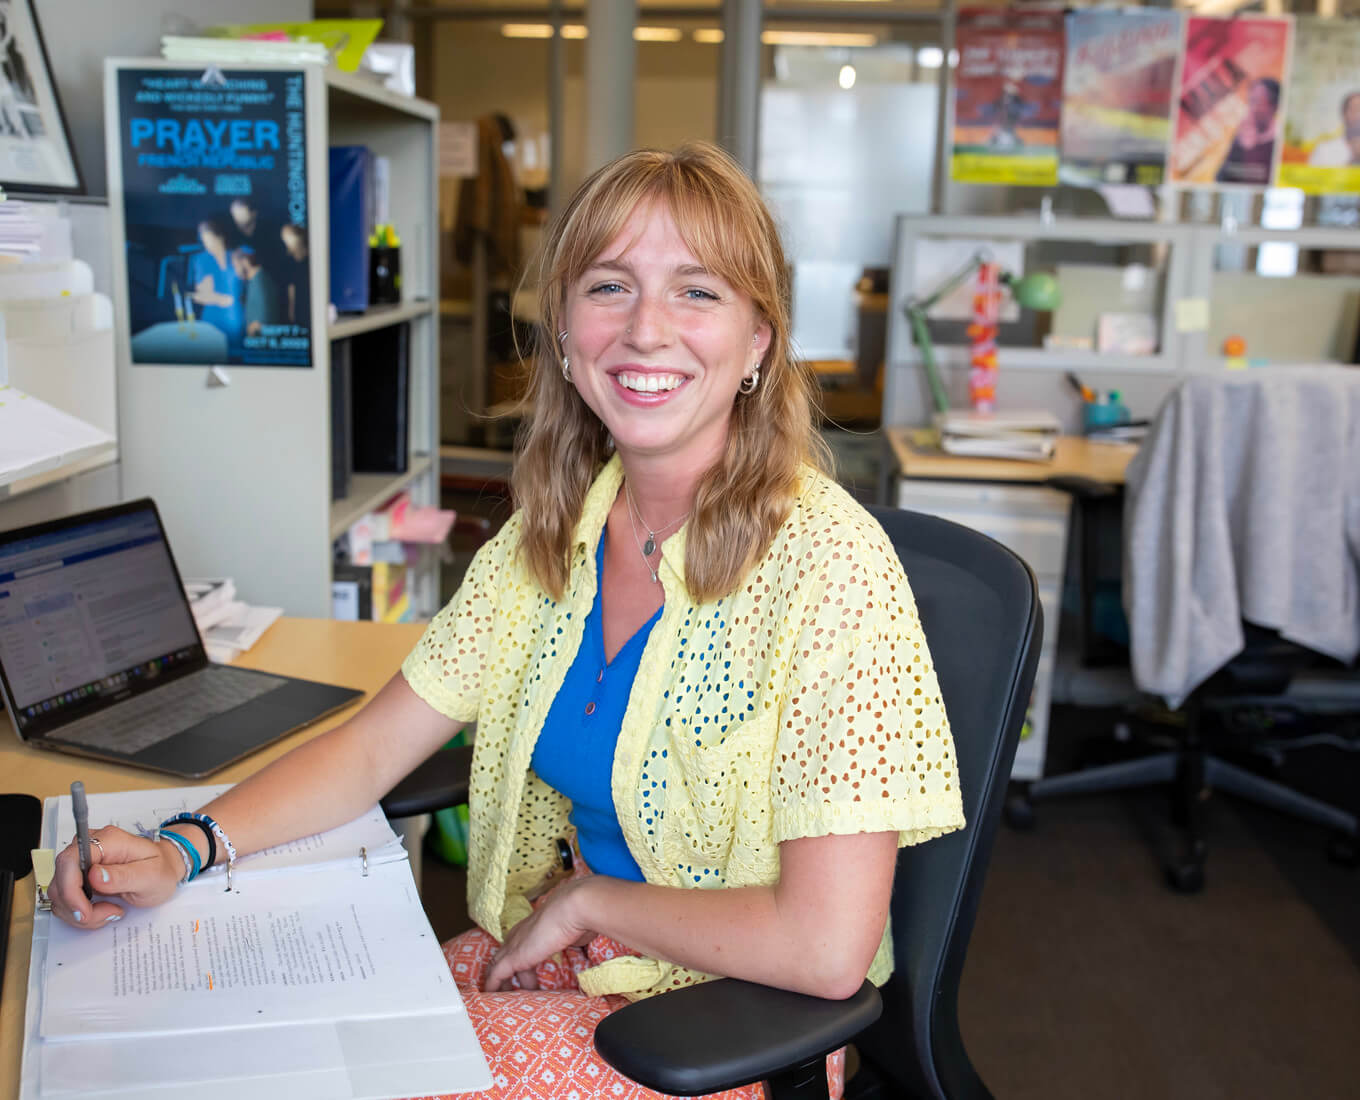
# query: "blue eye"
(700, 295)
(606, 288)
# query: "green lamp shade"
(1039, 291)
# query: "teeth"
(649, 383)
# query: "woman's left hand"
(553, 926)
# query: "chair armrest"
(727, 1033)
(442, 780)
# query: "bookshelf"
(241, 472)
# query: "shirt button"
(590, 708)
(599, 676)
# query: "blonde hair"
(744, 497)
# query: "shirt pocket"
(718, 784)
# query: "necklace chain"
(649, 548)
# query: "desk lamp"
(1038, 291)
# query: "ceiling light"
(527, 30)
(817, 38)
(930, 57)
(708, 35)
(846, 78)
(574, 30)
(658, 34)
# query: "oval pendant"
(649, 547)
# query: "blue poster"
(215, 215)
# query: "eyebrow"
(685, 270)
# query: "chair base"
(1192, 775)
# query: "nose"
(649, 324)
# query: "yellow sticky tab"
(44, 866)
(1192, 314)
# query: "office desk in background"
(1008, 500)
(358, 654)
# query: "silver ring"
(95, 841)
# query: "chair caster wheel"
(1019, 812)
(1185, 878)
(1344, 850)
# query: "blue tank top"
(575, 752)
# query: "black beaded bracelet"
(185, 819)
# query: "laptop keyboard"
(150, 718)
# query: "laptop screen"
(90, 612)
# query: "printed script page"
(329, 945)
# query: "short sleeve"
(447, 666)
(864, 743)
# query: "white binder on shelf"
(315, 975)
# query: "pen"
(82, 815)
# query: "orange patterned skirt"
(539, 1044)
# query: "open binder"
(316, 974)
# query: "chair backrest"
(979, 606)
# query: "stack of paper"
(228, 626)
(316, 974)
(21, 234)
(1031, 436)
(217, 51)
(210, 601)
(35, 437)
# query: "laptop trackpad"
(217, 741)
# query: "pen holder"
(384, 274)
(1105, 416)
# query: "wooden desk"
(1006, 499)
(360, 655)
(1074, 456)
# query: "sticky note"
(1192, 314)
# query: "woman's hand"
(550, 928)
(132, 869)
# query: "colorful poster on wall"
(215, 215)
(1322, 125)
(1007, 97)
(1118, 86)
(1230, 102)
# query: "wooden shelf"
(368, 491)
(376, 317)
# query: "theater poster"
(1322, 122)
(1118, 86)
(1230, 103)
(1007, 97)
(214, 168)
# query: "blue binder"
(351, 170)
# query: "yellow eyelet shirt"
(804, 703)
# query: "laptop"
(100, 655)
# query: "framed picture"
(35, 148)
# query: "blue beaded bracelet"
(187, 851)
(203, 821)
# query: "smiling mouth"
(649, 383)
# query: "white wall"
(79, 34)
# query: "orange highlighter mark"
(210, 984)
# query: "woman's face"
(211, 241)
(659, 345)
(1261, 105)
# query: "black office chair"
(979, 606)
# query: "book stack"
(211, 50)
(1028, 436)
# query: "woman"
(214, 284)
(689, 650)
